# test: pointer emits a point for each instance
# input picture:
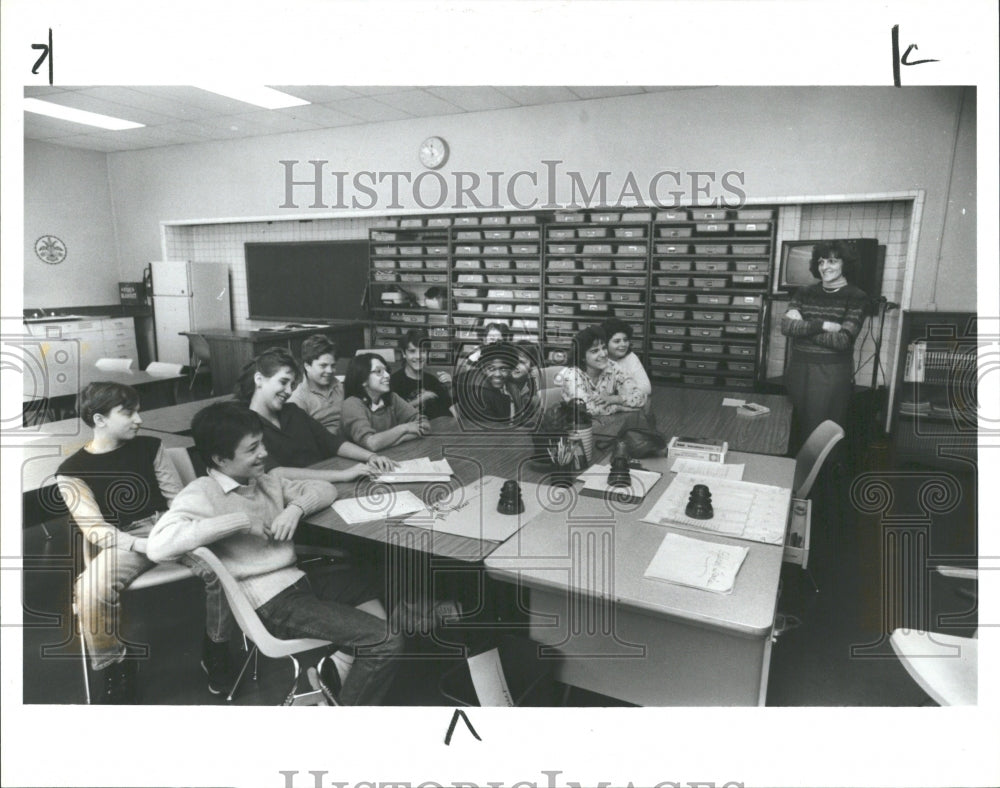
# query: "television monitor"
(307, 281)
(795, 256)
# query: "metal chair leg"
(83, 654)
(243, 670)
(812, 580)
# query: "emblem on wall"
(50, 250)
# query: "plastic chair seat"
(944, 666)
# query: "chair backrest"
(550, 396)
(114, 364)
(247, 617)
(199, 347)
(164, 369)
(182, 464)
(551, 375)
(388, 354)
(813, 454)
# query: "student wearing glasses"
(294, 439)
(373, 416)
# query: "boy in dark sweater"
(115, 489)
(429, 394)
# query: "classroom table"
(176, 419)
(581, 562)
(637, 639)
(59, 392)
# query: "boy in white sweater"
(248, 518)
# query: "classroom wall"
(67, 194)
(788, 142)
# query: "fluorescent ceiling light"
(78, 115)
(260, 96)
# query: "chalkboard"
(312, 280)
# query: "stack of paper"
(378, 507)
(422, 469)
(697, 563)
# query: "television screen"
(796, 255)
(310, 281)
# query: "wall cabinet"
(692, 283)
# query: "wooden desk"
(232, 350)
(641, 640)
(176, 419)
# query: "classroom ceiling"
(176, 115)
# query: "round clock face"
(433, 152)
(50, 250)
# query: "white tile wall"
(889, 222)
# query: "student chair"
(388, 354)
(114, 364)
(200, 354)
(808, 463)
(159, 575)
(944, 666)
(263, 641)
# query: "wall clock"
(433, 152)
(50, 250)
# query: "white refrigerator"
(187, 297)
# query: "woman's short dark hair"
(584, 341)
(839, 249)
(613, 326)
(218, 429)
(503, 328)
(315, 346)
(103, 397)
(268, 363)
(358, 370)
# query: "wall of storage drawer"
(692, 284)
(711, 270)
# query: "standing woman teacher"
(823, 321)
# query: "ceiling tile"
(81, 99)
(379, 90)
(37, 91)
(97, 142)
(604, 91)
(537, 94)
(369, 110)
(40, 127)
(321, 115)
(419, 103)
(317, 94)
(201, 99)
(275, 120)
(473, 99)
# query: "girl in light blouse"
(596, 379)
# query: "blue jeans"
(322, 606)
(98, 599)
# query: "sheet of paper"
(378, 507)
(732, 402)
(422, 469)
(489, 680)
(471, 511)
(758, 512)
(710, 469)
(697, 563)
(596, 478)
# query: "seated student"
(489, 397)
(525, 374)
(295, 440)
(320, 394)
(428, 393)
(373, 415)
(248, 517)
(596, 379)
(115, 488)
(488, 334)
(619, 335)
